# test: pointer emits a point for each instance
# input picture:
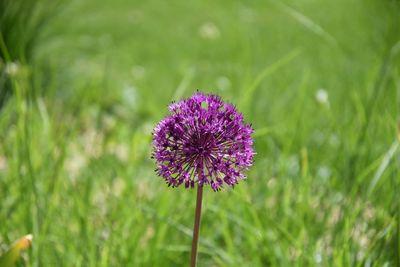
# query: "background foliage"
(82, 83)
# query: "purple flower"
(203, 141)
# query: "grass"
(75, 131)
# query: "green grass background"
(94, 77)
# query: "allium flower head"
(203, 141)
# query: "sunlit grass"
(319, 81)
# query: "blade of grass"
(379, 86)
(308, 23)
(268, 70)
(383, 166)
(187, 78)
(11, 256)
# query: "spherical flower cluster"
(203, 141)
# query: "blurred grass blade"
(307, 22)
(268, 70)
(382, 167)
(10, 257)
(187, 79)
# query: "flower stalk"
(196, 228)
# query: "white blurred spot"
(75, 164)
(29, 237)
(129, 95)
(223, 83)
(105, 234)
(209, 31)
(369, 214)
(318, 257)
(324, 173)
(12, 68)
(322, 97)
(91, 141)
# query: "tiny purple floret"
(204, 141)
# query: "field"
(83, 83)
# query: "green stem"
(196, 228)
